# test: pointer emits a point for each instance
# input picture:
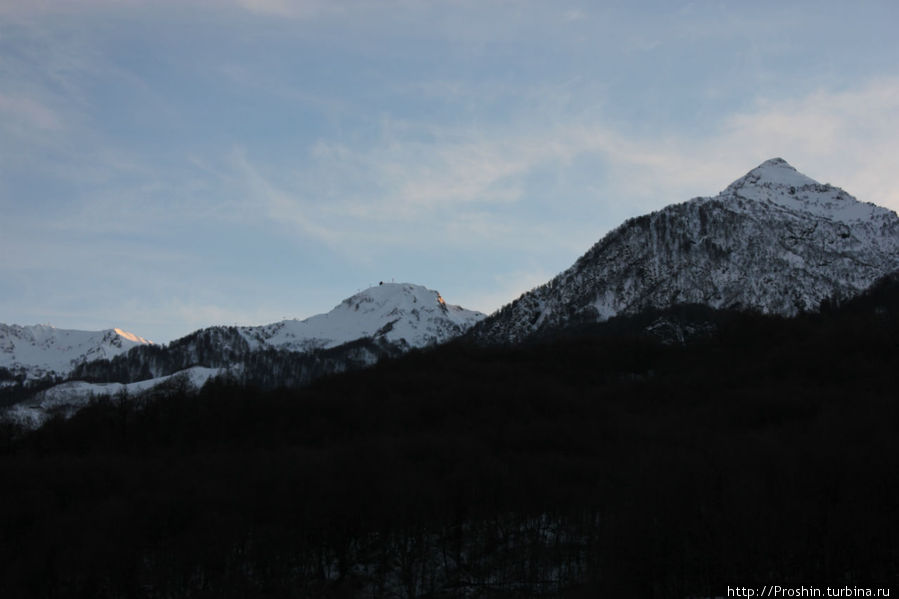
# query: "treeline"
(587, 465)
(224, 347)
(17, 388)
(213, 347)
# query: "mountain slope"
(386, 319)
(382, 321)
(775, 241)
(579, 467)
(402, 313)
(34, 352)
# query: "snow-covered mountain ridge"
(382, 321)
(398, 313)
(775, 241)
(38, 351)
(402, 313)
(393, 317)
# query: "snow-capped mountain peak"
(131, 337)
(403, 313)
(776, 182)
(382, 321)
(37, 351)
(774, 172)
(774, 240)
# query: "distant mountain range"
(382, 321)
(774, 241)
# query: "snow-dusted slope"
(776, 183)
(68, 398)
(399, 313)
(388, 319)
(379, 322)
(41, 350)
(774, 241)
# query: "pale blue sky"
(168, 165)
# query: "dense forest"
(599, 462)
(223, 347)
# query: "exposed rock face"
(774, 241)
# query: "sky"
(168, 165)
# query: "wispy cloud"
(291, 8)
(848, 137)
(276, 203)
(463, 185)
(402, 190)
(573, 14)
(29, 112)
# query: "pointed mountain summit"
(776, 172)
(776, 182)
(774, 240)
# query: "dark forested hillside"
(600, 463)
(223, 347)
